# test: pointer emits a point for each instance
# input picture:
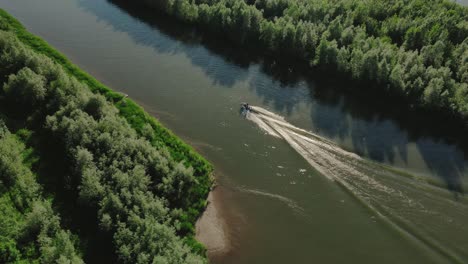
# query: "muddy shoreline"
(211, 227)
(221, 226)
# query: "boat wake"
(410, 204)
(290, 203)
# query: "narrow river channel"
(339, 179)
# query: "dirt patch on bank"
(211, 228)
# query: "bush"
(128, 176)
(30, 230)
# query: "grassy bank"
(187, 208)
(131, 111)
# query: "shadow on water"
(379, 129)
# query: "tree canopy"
(30, 230)
(415, 49)
(142, 196)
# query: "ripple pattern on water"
(413, 205)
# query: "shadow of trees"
(378, 127)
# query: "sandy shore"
(211, 228)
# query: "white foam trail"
(262, 125)
(402, 202)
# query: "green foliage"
(136, 244)
(395, 44)
(124, 165)
(55, 244)
(26, 88)
(18, 56)
(9, 252)
(13, 173)
(30, 231)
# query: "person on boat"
(247, 106)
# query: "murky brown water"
(283, 210)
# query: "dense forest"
(416, 50)
(73, 135)
(30, 229)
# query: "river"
(340, 178)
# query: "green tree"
(26, 88)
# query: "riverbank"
(128, 53)
(211, 227)
(223, 229)
(415, 58)
(147, 128)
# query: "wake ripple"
(414, 207)
(290, 203)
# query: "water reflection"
(377, 129)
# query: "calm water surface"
(283, 210)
